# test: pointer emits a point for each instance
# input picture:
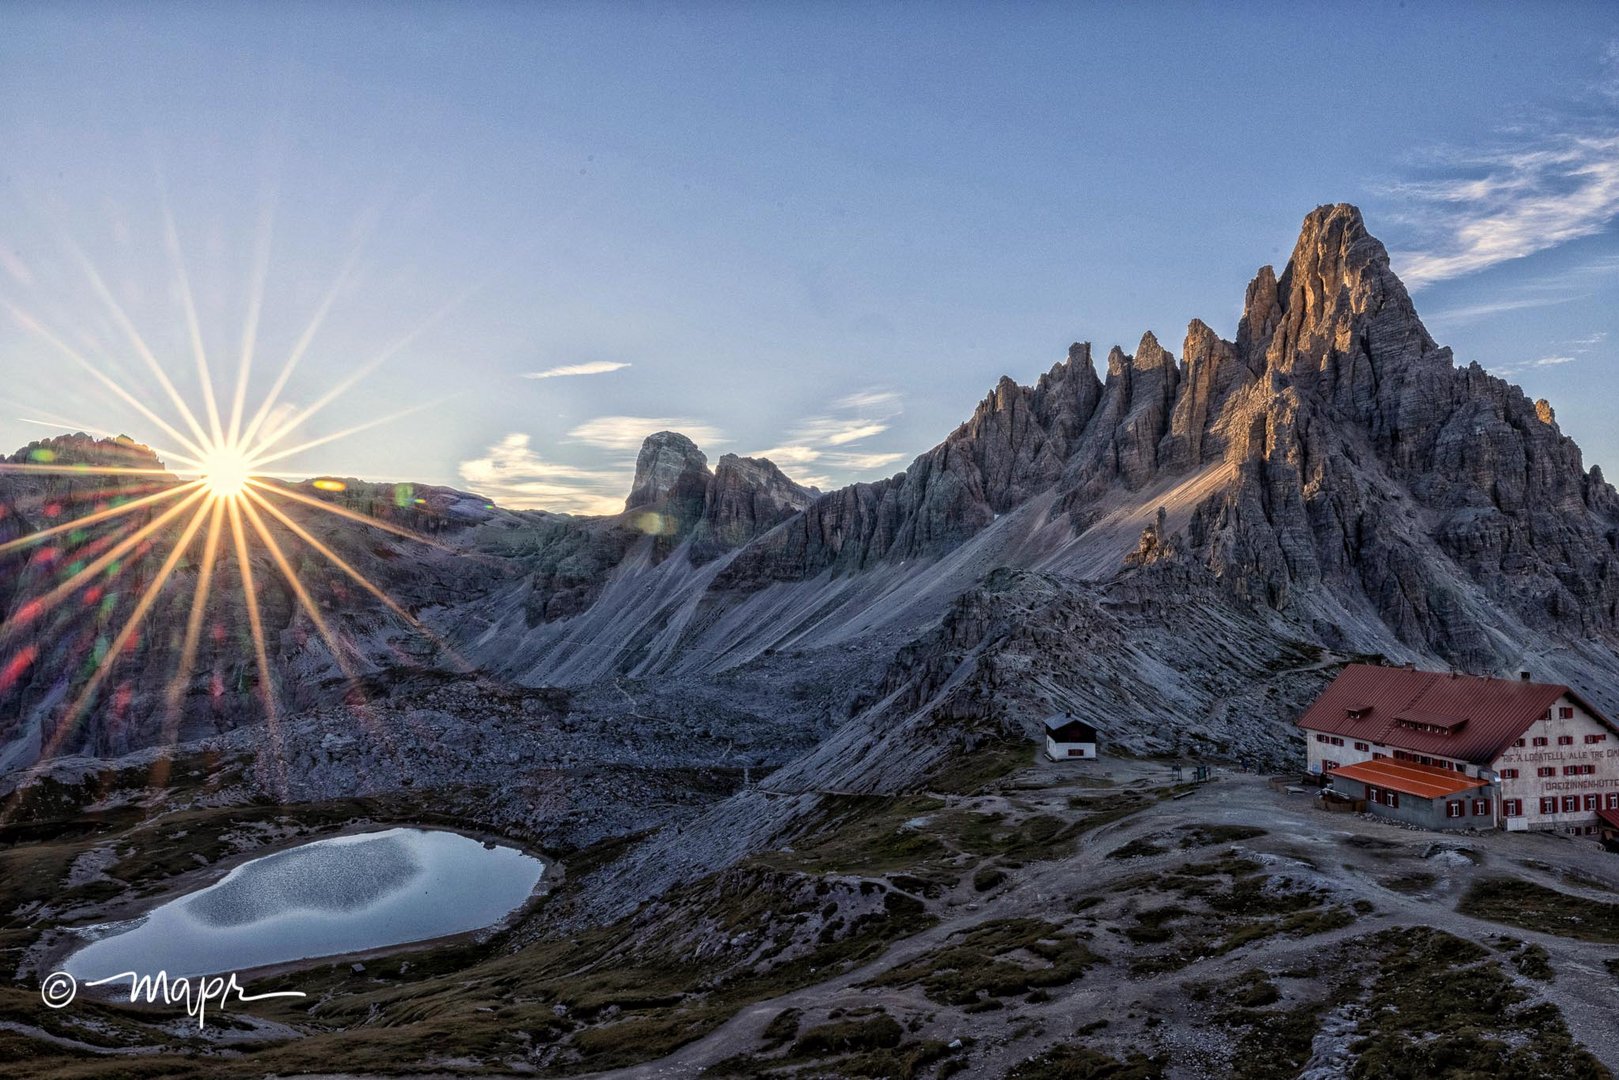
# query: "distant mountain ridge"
(1326, 483)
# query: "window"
(1590, 803)
(1320, 738)
(1588, 769)
(1362, 746)
(1548, 804)
(1565, 740)
(1613, 801)
(1337, 741)
(1565, 713)
(1455, 808)
(1392, 798)
(1571, 770)
(1512, 807)
(1571, 804)
(1540, 740)
(1328, 766)
(1597, 738)
(1520, 742)
(1371, 793)
(1546, 770)
(1481, 807)
(1509, 774)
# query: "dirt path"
(1300, 839)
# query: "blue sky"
(818, 230)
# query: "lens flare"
(217, 498)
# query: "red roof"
(1466, 717)
(1408, 778)
(1609, 816)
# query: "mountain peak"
(669, 465)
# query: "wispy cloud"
(628, 432)
(1565, 286)
(1501, 205)
(819, 442)
(594, 367)
(513, 475)
(1574, 350)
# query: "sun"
(226, 471)
(225, 501)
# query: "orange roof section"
(1409, 778)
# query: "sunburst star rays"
(215, 494)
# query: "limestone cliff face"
(1363, 463)
(1367, 463)
(1016, 444)
(745, 498)
(1329, 475)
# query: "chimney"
(1524, 675)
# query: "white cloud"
(1553, 361)
(513, 475)
(1504, 205)
(817, 440)
(884, 401)
(628, 432)
(594, 367)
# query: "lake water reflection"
(341, 895)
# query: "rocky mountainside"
(1327, 483)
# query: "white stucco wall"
(1060, 751)
(1602, 782)
(1351, 752)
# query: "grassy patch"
(846, 1036)
(1439, 1007)
(970, 774)
(1528, 906)
(1001, 959)
(1410, 884)
(1071, 1061)
(1533, 962)
(1226, 904)
(1140, 847)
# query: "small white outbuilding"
(1069, 739)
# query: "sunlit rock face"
(671, 475)
(1328, 476)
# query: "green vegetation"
(1273, 1044)
(1073, 1062)
(1000, 959)
(1215, 918)
(1533, 962)
(1184, 838)
(782, 1029)
(1411, 884)
(880, 1032)
(1440, 1008)
(867, 1046)
(1528, 906)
